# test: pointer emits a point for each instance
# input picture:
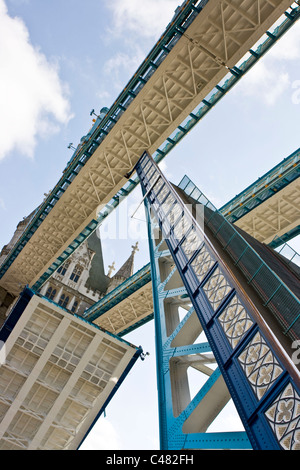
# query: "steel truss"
(260, 378)
(184, 420)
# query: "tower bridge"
(198, 55)
(237, 293)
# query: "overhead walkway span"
(269, 209)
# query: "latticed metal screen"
(281, 301)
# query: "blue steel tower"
(240, 302)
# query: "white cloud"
(147, 18)
(267, 82)
(138, 24)
(271, 77)
(33, 99)
(288, 47)
(122, 60)
(122, 66)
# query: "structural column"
(181, 348)
(260, 377)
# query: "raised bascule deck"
(258, 196)
(59, 374)
(237, 294)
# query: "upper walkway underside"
(269, 209)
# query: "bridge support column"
(191, 389)
(252, 367)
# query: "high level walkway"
(269, 209)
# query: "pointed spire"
(135, 248)
(125, 271)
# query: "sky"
(59, 60)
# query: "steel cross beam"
(260, 376)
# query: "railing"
(274, 293)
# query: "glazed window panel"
(63, 268)
(76, 273)
(75, 307)
(50, 294)
(63, 301)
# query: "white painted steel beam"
(127, 313)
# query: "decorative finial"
(135, 248)
(111, 269)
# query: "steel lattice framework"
(260, 376)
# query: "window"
(75, 307)
(76, 273)
(63, 301)
(50, 294)
(63, 268)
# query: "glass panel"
(185, 180)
